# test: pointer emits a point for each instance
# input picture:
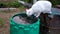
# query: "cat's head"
(29, 12)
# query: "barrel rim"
(37, 22)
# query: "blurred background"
(10, 7)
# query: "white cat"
(38, 7)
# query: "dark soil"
(6, 16)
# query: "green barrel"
(23, 28)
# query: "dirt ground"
(5, 16)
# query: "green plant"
(2, 4)
(15, 4)
(29, 1)
(55, 2)
(1, 21)
(10, 4)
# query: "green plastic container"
(23, 28)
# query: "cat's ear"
(27, 9)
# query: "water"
(19, 20)
(24, 19)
